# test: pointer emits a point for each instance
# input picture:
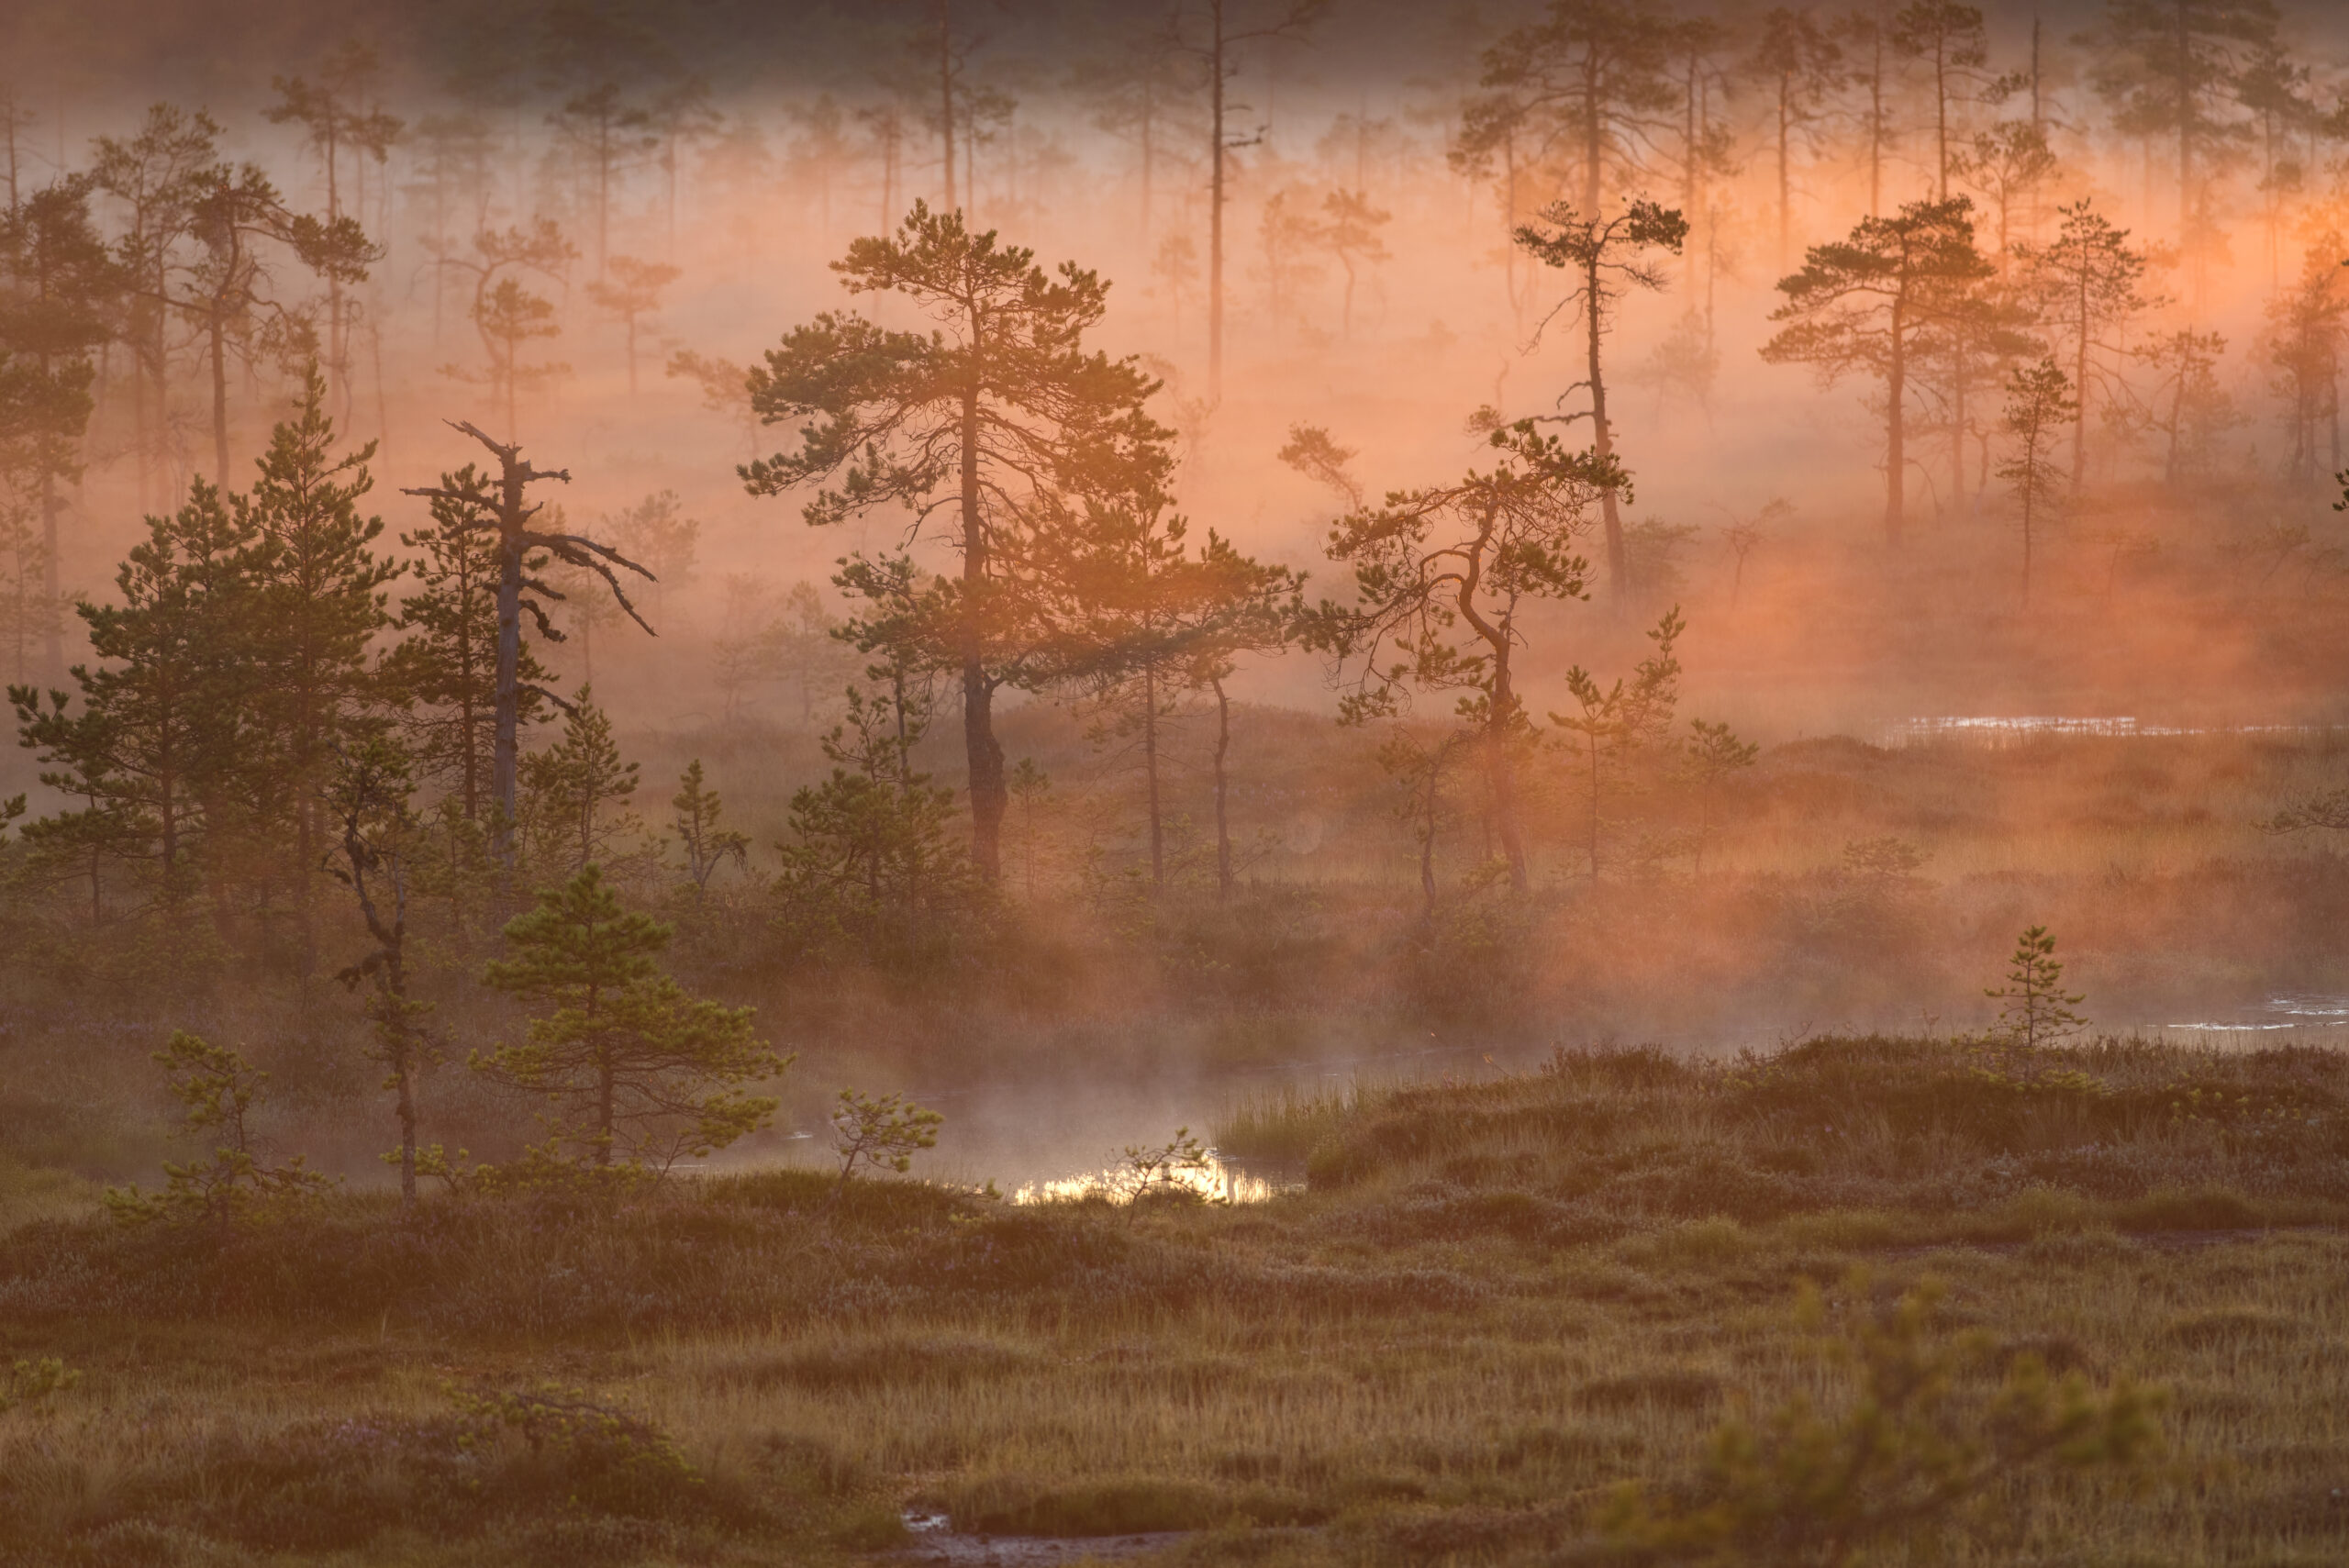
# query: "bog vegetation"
(617, 618)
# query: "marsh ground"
(1495, 1303)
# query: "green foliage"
(638, 1074)
(1915, 1460)
(219, 1088)
(1144, 1168)
(1617, 725)
(575, 794)
(626, 1464)
(442, 675)
(881, 1134)
(871, 867)
(696, 824)
(2034, 1008)
(33, 1383)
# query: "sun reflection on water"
(1219, 1180)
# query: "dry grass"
(1437, 1351)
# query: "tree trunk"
(1503, 775)
(1150, 768)
(946, 93)
(1895, 464)
(983, 753)
(1618, 566)
(1222, 790)
(219, 399)
(1215, 204)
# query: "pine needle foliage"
(636, 1074)
(2034, 1008)
(219, 1089)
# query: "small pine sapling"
(1710, 754)
(707, 845)
(637, 1073)
(1142, 1169)
(219, 1088)
(2039, 405)
(1918, 1459)
(1032, 787)
(368, 802)
(2034, 1008)
(32, 1383)
(882, 1134)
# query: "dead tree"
(505, 506)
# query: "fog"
(2192, 584)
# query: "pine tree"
(1442, 577)
(1864, 302)
(1214, 35)
(479, 503)
(169, 715)
(2039, 403)
(318, 602)
(631, 294)
(2034, 1008)
(367, 802)
(1606, 257)
(1795, 59)
(576, 792)
(986, 420)
(442, 676)
(1710, 755)
(2085, 283)
(1947, 39)
(636, 1074)
(58, 287)
(698, 825)
(219, 1088)
(1617, 724)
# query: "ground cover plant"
(1534, 1318)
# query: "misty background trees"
(372, 398)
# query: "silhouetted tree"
(987, 419)
(2170, 68)
(478, 504)
(1590, 82)
(368, 802)
(638, 1074)
(1215, 34)
(1862, 304)
(2039, 403)
(1442, 577)
(629, 293)
(334, 114)
(1947, 39)
(505, 314)
(2085, 281)
(441, 677)
(1606, 256)
(58, 287)
(1795, 58)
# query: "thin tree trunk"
(983, 753)
(1896, 467)
(1215, 205)
(1150, 769)
(1619, 567)
(1223, 877)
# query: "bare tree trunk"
(1619, 567)
(1223, 877)
(1150, 767)
(1895, 464)
(219, 400)
(983, 753)
(1215, 204)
